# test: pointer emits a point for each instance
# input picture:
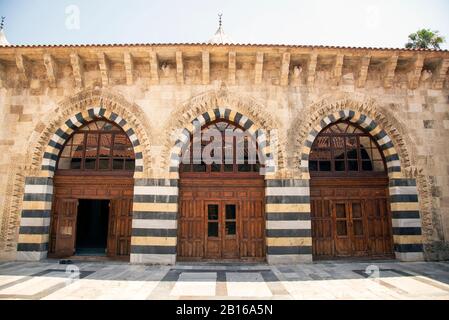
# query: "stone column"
(406, 221)
(35, 219)
(288, 226)
(154, 226)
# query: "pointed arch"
(366, 113)
(402, 187)
(369, 125)
(62, 134)
(244, 111)
(258, 134)
(70, 115)
(74, 112)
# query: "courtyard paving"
(324, 280)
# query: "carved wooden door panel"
(191, 228)
(230, 219)
(221, 223)
(342, 225)
(252, 229)
(120, 226)
(66, 210)
(350, 222)
(322, 227)
(358, 228)
(350, 228)
(378, 226)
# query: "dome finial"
(2, 23)
(220, 37)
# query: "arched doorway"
(93, 193)
(221, 201)
(350, 210)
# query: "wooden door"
(378, 226)
(222, 230)
(221, 222)
(118, 190)
(350, 222)
(350, 236)
(357, 228)
(323, 228)
(191, 229)
(120, 225)
(66, 210)
(252, 229)
(342, 235)
(349, 194)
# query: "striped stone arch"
(76, 109)
(288, 238)
(209, 101)
(156, 200)
(404, 202)
(369, 125)
(38, 192)
(258, 134)
(63, 133)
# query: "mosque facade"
(318, 152)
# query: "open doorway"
(92, 227)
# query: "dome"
(3, 40)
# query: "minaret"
(3, 41)
(220, 37)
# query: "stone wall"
(161, 89)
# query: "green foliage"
(425, 39)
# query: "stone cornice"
(391, 64)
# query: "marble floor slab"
(105, 280)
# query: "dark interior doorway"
(92, 227)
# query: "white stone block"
(415, 107)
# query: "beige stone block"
(6, 142)
(433, 93)
(35, 84)
(441, 107)
(25, 118)
(16, 109)
(415, 107)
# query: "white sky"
(378, 23)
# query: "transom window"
(344, 148)
(98, 146)
(232, 149)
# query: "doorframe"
(259, 183)
(403, 186)
(61, 181)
